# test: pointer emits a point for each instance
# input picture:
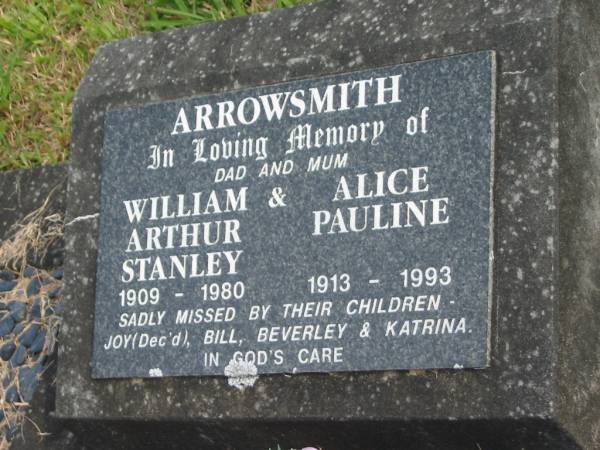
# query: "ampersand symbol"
(366, 328)
(277, 197)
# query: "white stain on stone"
(155, 372)
(241, 374)
(550, 243)
(82, 218)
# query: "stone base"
(435, 435)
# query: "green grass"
(46, 46)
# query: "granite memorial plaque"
(341, 223)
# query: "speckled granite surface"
(539, 391)
(459, 169)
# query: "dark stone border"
(328, 435)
